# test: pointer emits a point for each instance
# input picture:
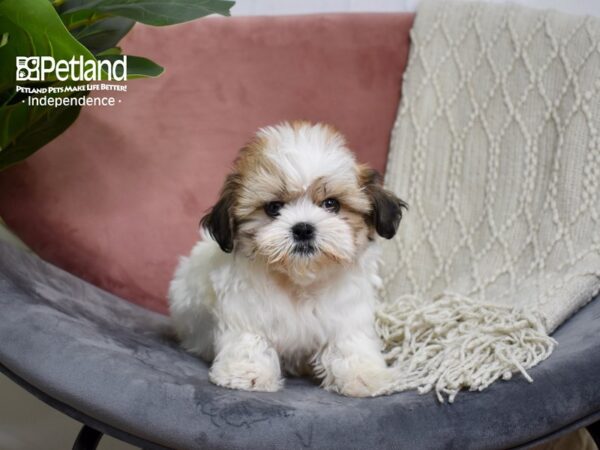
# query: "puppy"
(285, 278)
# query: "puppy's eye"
(272, 208)
(331, 205)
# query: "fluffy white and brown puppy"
(286, 274)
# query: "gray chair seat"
(116, 367)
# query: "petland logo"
(40, 68)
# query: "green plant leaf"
(17, 117)
(110, 52)
(14, 119)
(81, 18)
(35, 30)
(7, 96)
(154, 12)
(137, 66)
(32, 128)
(104, 34)
(3, 39)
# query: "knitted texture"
(496, 149)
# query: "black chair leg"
(87, 439)
(594, 430)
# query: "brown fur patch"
(361, 232)
(386, 211)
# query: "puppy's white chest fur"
(214, 293)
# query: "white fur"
(233, 308)
(224, 304)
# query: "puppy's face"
(298, 201)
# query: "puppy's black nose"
(303, 231)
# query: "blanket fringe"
(455, 342)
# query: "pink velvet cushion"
(117, 198)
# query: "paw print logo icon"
(28, 68)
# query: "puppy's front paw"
(366, 382)
(246, 361)
(246, 375)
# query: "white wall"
(277, 7)
(28, 424)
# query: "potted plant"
(79, 30)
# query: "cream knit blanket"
(496, 149)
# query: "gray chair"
(116, 368)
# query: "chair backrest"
(117, 198)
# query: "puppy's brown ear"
(219, 222)
(386, 208)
